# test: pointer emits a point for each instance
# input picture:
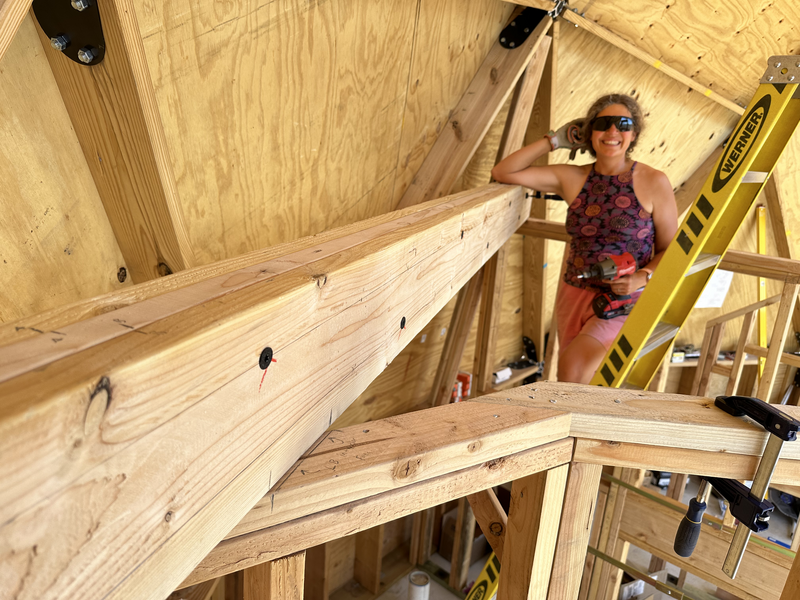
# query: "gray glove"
(569, 136)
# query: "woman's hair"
(606, 101)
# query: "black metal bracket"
(520, 28)
(543, 195)
(560, 7)
(74, 28)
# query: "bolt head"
(513, 23)
(80, 5)
(60, 42)
(791, 77)
(502, 39)
(777, 65)
(770, 78)
(512, 44)
(86, 55)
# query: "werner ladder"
(710, 225)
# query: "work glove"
(569, 136)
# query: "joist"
(12, 12)
(113, 110)
(102, 426)
(472, 117)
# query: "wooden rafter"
(192, 382)
(114, 113)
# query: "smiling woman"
(619, 210)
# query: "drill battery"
(608, 305)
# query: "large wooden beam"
(115, 116)
(471, 118)
(170, 432)
(12, 12)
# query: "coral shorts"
(574, 315)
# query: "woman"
(616, 205)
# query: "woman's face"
(612, 142)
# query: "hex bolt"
(80, 5)
(770, 78)
(86, 55)
(502, 39)
(512, 44)
(60, 42)
(791, 77)
(777, 65)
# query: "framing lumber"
(462, 545)
(791, 591)
(580, 501)
(369, 555)
(113, 110)
(778, 339)
(471, 118)
(534, 249)
(286, 538)
(489, 321)
(12, 12)
(201, 591)
(112, 413)
(533, 519)
(316, 580)
(280, 579)
(491, 518)
(636, 52)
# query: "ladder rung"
(663, 333)
(704, 261)
(755, 177)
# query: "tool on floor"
(747, 505)
(727, 196)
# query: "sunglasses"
(621, 123)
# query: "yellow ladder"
(725, 200)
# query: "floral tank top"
(606, 219)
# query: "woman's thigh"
(580, 359)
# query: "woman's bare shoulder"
(651, 177)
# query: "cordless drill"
(608, 305)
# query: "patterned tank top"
(606, 218)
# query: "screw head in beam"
(86, 55)
(80, 5)
(60, 42)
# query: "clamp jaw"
(747, 505)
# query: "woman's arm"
(516, 168)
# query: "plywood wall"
(56, 245)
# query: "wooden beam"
(234, 586)
(383, 455)
(280, 579)
(316, 578)
(636, 52)
(534, 249)
(114, 112)
(533, 520)
(115, 411)
(651, 526)
(491, 518)
(580, 501)
(369, 556)
(12, 12)
(778, 339)
(551, 230)
(461, 558)
(201, 591)
(678, 460)
(471, 118)
(489, 321)
(457, 334)
(285, 538)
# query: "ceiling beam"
(159, 440)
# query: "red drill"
(611, 268)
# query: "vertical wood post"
(280, 579)
(791, 589)
(778, 339)
(580, 500)
(369, 555)
(533, 520)
(317, 582)
(462, 545)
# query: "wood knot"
(474, 447)
(320, 279)
(407, 469)
(496, 528)
(494, 76)
(99, 400)
(457, 130)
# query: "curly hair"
(603, 103)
